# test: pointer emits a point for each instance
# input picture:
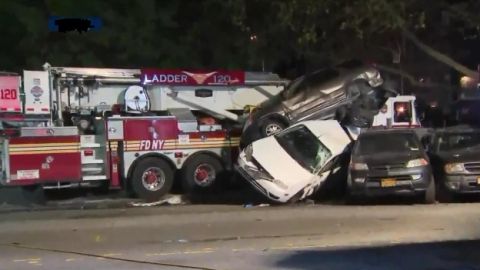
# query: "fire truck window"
(403, 111)
(203, 92)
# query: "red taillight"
(88, 152)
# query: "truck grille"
(397, 177)
(472, 167)
(386, 167)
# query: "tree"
(334, 30)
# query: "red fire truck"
(140, 129)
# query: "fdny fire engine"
(127, 128)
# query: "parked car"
(349, 92)
(292, 164)
(390, 162)
(455, 155)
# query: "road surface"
(442, 236)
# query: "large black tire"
(271, 126)
(152, 179)
(430, 192)
(201, 174)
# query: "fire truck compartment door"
(10, 94)
(37, 92)
(44, 159)
(115, 129)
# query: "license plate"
(388, 182)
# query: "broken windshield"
(304, 147)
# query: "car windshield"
(312, 80)
(376, 143)
(453, 141)
(304, 147)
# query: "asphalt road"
(442, 236)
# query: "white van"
(292, 164)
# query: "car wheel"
(152, 178)
(201, 173)
(430, 192)
(270, 127)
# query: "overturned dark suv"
(390, 162)
(351, 92)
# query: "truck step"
(93, 161)
(92, 169)
(94, 177)
(90, 145)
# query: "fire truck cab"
(125, 128)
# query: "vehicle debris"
(170, 200)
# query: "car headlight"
(451, 168)
(417, 163)
(358, 166)
(248, 153)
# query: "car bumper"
(409, 182)
(462, 184)
(267, 188)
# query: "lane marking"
(197, 251)
(27, 260)
(111, 254)
(163, 254)
(242, 249)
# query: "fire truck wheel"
(200, 173)
(152, 178)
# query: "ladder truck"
(136, 129)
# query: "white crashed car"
(292, 164)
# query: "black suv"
(455, 156)
(390, 162)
